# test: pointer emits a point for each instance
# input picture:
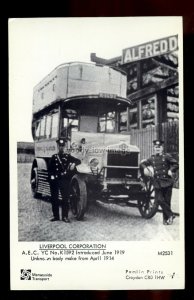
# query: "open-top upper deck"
(78, 79)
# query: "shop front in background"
(152, 87)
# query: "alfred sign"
(151, 49)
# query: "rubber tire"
(34, 185)
(80, 185)
(146, 199)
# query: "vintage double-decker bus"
(86, 103)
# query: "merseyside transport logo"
(25, 274)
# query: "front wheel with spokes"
(78, 197)
(148, 204)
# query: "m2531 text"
(165, 252)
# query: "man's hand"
(170, 173)
(72, 167)
(149, 171)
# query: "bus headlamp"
(94, 162)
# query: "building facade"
(25, 152)
(153, 88)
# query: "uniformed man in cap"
(161, 167)
(60, 171)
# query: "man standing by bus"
(163, 167)
(60, 170)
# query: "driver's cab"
(69, 123)
(94, 116)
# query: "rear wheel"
(34, 182)
(78, 197)
(148, 205)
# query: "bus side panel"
(45, 92)
(45, 148)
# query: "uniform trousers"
(163, 195)
(61, 185)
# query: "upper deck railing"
(78, 79)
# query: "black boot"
(54, 219)
(66, 220)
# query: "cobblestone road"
(102, 222)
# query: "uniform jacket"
(59, 166)
(161, 165)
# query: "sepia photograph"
(96, 133)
